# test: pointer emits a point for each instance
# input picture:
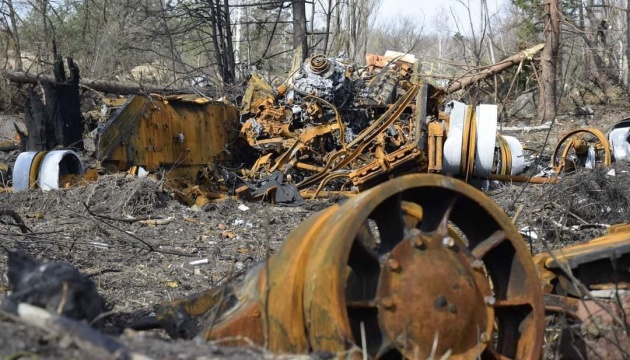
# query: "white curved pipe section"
(55, 164)
(518, 159)
(452, 151)
(618, 139)
(21, 171)
(486, 139)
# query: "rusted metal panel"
(154, 131)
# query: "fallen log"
(109, 87)
(488, 71)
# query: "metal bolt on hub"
(448, 242)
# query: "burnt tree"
(300, 42)
(547, 107)
(57, 122)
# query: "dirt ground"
(131, 277)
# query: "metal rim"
(344, 276)
(564, 147)
(34, 174)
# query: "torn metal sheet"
(603, 260)
(168, 132)
(586, 284)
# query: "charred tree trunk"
(222, 40)
(300, 42)
(549, 57)
(59, 122)
(488, 71)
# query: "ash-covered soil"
(137, 265)
(115, 251)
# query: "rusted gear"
(420, 265)
(320, 64)
(576, 144)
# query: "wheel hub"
(451, 298)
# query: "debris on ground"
(57, 287)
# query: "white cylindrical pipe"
(452, 151)
(486, 139)
(22, 171)
(618, 139)
(58, 163)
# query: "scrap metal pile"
(331, 126)
(339, 127)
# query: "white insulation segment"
(452, 151)
(486, 139)
(518, 159)
(618, 139)
(22, 171)
(55, 164)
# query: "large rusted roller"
(421, 265)
(573, 149)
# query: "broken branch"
(149, 247)
(109, 87)
(16, 217)
(492, 69)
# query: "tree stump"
(57, 122)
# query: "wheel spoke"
(391, 223)
(485, 246)
(437, 219)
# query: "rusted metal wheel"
(386, 273)
(420, 265)
(574, 146)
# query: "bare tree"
(300, 41)
(8, 24)
(547, 107)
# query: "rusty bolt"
(490, 300)
(484, 337)
(387, 303)
(477, 264)
(256, 313)
(448, 242)
(393, 265)
(452, 308)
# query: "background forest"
(213, 43)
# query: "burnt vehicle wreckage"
(415, 264)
